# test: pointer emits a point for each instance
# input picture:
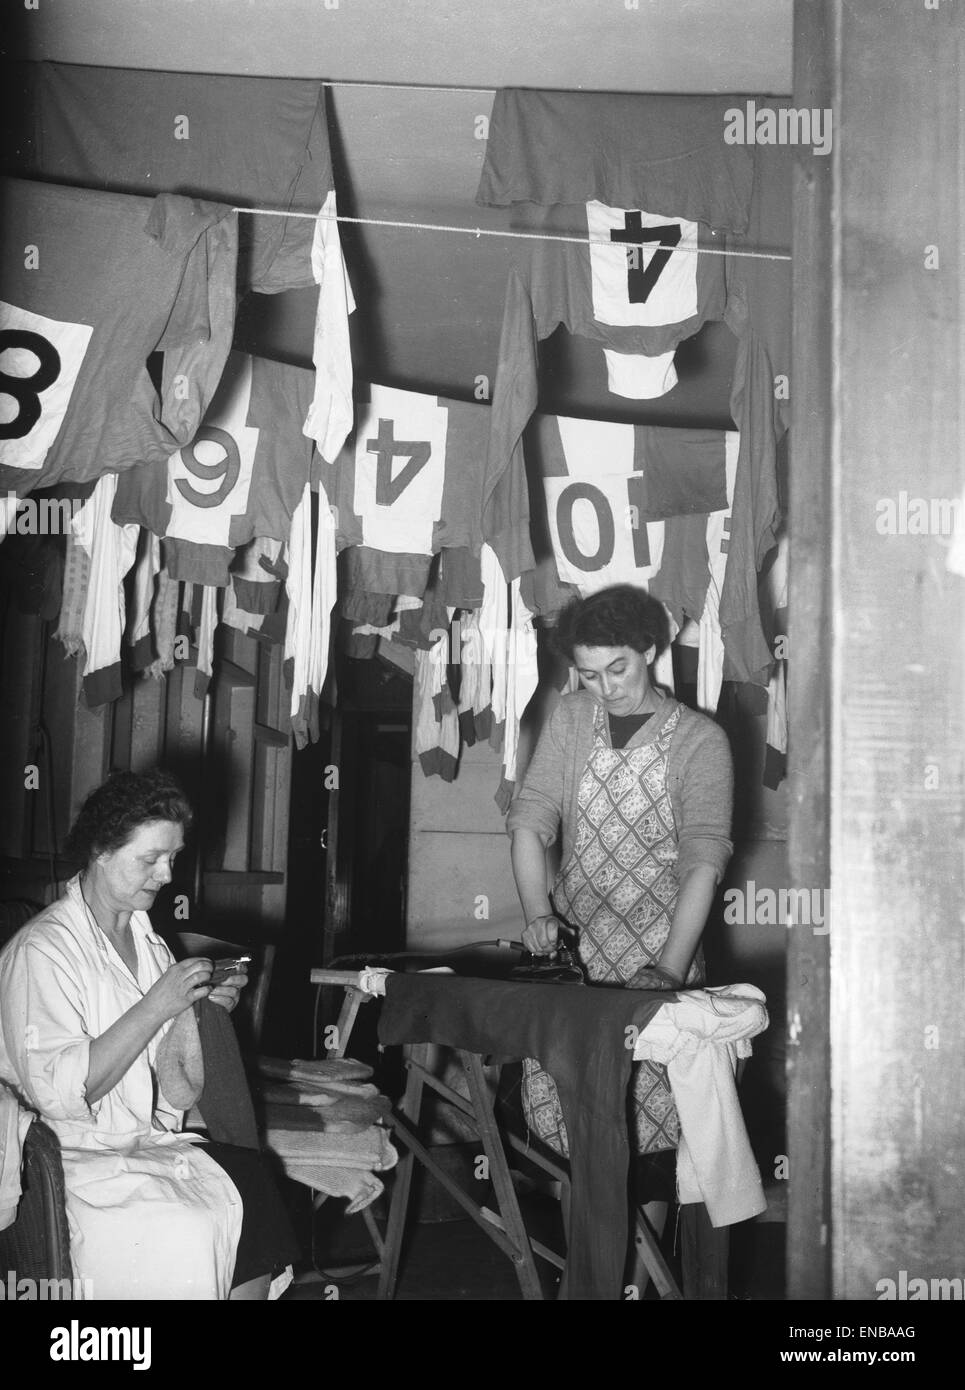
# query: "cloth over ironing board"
(580, 1036)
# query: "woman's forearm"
(116, 1049)
(690, 916)
(529, 870)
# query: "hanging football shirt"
(652, 178)
(597, 539)
(615, 494)
(638, 287)
(654, 150)
(514, 400)
(637, 282)
(90, 285)
(240, 140)
(411, 482)
(241, 476)
(397, 493)
(759, 313)
(651, 153)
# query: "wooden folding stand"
(354, 999)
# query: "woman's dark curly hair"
(620, 616)
(127, 800)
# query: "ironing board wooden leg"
(704, 1254)
(523, 1262)
(346, 1022)
(649, 1262)
(374, 1232)
(566, 1197)
(410, 1106)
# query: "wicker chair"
(37, 1245)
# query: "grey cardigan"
(700, 777)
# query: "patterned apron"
(619, 888)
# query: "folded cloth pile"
(322, 1121)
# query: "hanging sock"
(663, 664)
(323, 601)
(147, 568)
(775, 753)
(494, 626)
(111, 549)
(436, 718)
(206, 627)
(8, 513)
(164, 620)
(330, 414)
(775, 587)
(710, 661)
(70, 629)
(475, 681)
(253, 589)
(298, 630)
(522, 682)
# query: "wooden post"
(895, 650)
(809, 674)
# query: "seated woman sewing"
(98, 1034)
(641, 787)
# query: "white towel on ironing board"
(699, 1038)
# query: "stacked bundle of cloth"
(323, 1120)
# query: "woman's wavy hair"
(620, 616)
(127, 800)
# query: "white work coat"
(151, 1215)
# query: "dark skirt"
(267, 1243)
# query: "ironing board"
(505, 1227)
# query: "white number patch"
(40, 359)
(645, 271)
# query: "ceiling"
(607, 45)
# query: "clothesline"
(411, 87)
(520, 236)
(491, 91)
